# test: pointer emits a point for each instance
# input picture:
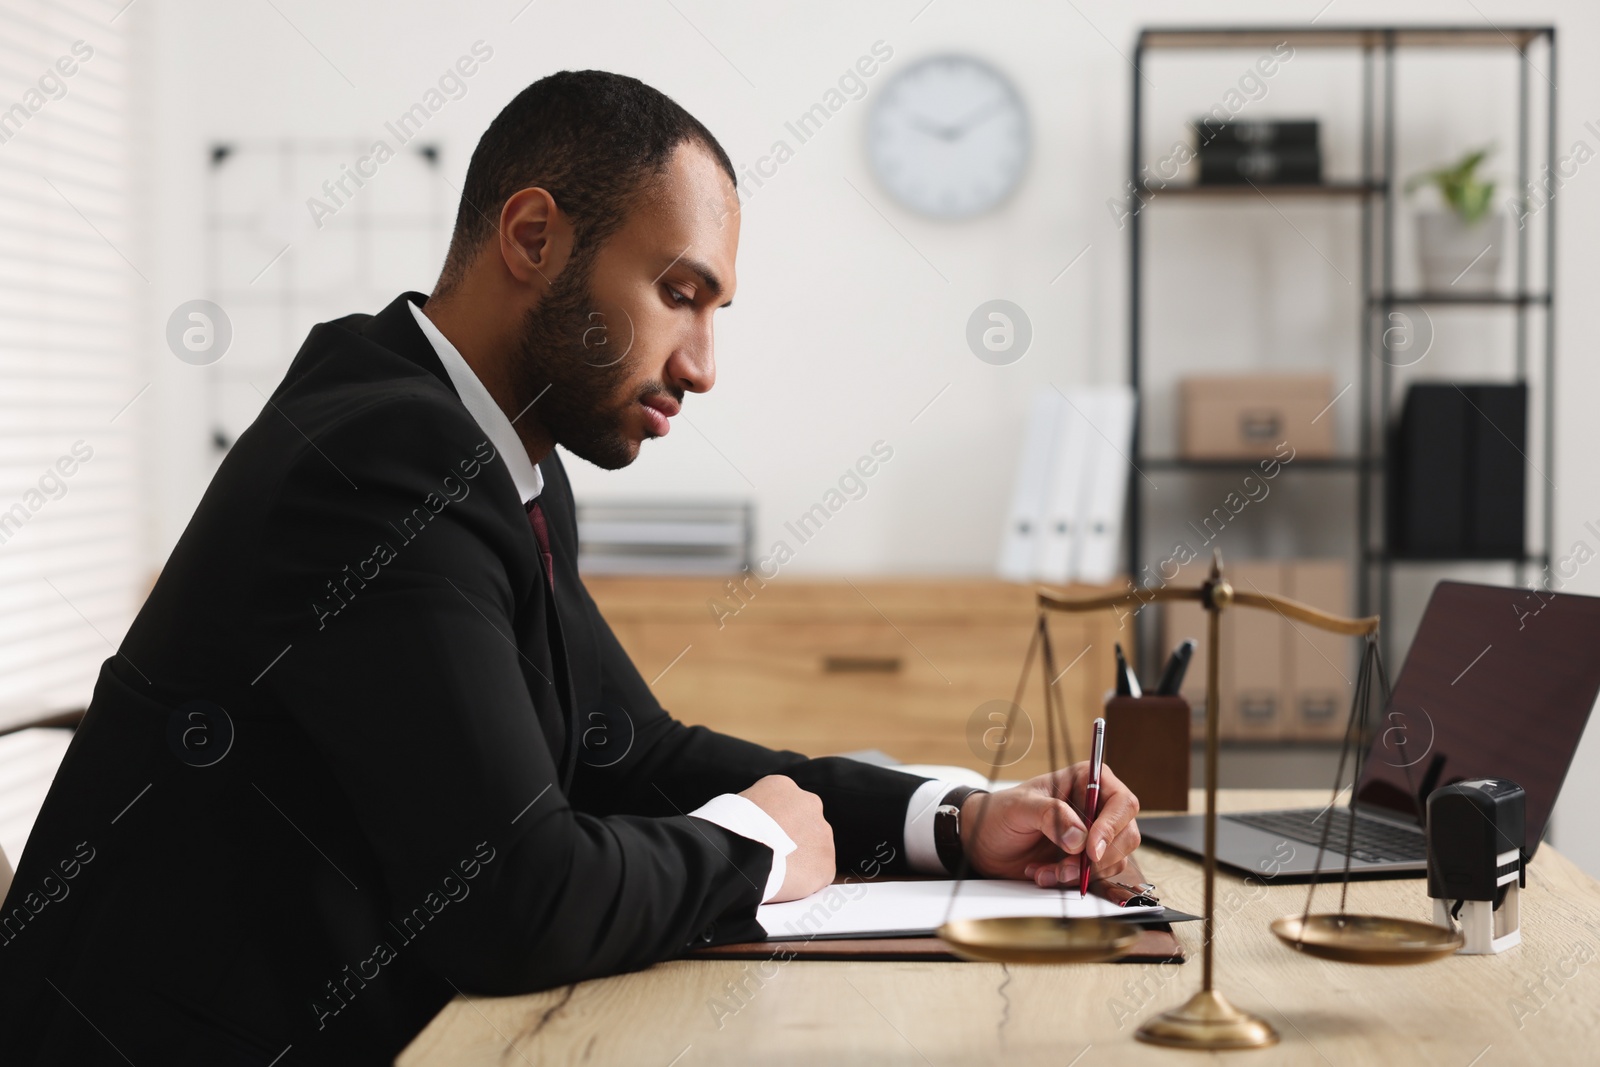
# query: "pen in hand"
(1091, 798)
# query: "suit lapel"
(562, 678)
(396, 329)
(568, 616)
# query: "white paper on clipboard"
(867, 909)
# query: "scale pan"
(1372, 939)
(1038, 939)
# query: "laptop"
(1498, 684)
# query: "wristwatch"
(947, 828)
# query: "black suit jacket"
(353, 757)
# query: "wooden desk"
(1537, 1004)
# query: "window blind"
(70, 551)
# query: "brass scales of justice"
(1207, 1020)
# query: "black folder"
(1458, 472)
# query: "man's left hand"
(1031, 831)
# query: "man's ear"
(535, 237)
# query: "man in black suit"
(370, 743)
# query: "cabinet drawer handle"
(1260, 425)
(861, 664)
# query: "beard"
(573, 370)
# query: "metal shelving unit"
(1374, 193)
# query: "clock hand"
(977, 116)
(944, 133)
(959, 129)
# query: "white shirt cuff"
(743, 816)
(921, 853)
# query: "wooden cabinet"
(921, 669)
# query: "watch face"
(948, 137)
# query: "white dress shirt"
(732, 812)
(484, 411)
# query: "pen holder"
(1147, 745)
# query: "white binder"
(1018, 544)
(1064, 499)
(1109, 412)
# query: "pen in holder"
(1147, 746)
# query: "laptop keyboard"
(1375, 841)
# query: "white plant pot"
(1457, 257)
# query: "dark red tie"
(541, 533)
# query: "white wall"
(844, 328)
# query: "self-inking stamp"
(1475, 861)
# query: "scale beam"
(1207, 1020)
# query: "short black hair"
(591, 138)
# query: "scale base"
(1207, 1021)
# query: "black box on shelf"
(1458, 472)
(1256, 133)
(1265, 152)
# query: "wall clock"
(948, 137)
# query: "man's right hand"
(811, 864)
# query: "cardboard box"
(1185, 619)
(1249, 416)
(1254, 641)
(1276, 680)
(1320, 665)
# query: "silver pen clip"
(1142, 895)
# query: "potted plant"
(1460, 246)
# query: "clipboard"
(1156, 944)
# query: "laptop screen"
(1498, 684)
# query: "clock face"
(948, 137)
